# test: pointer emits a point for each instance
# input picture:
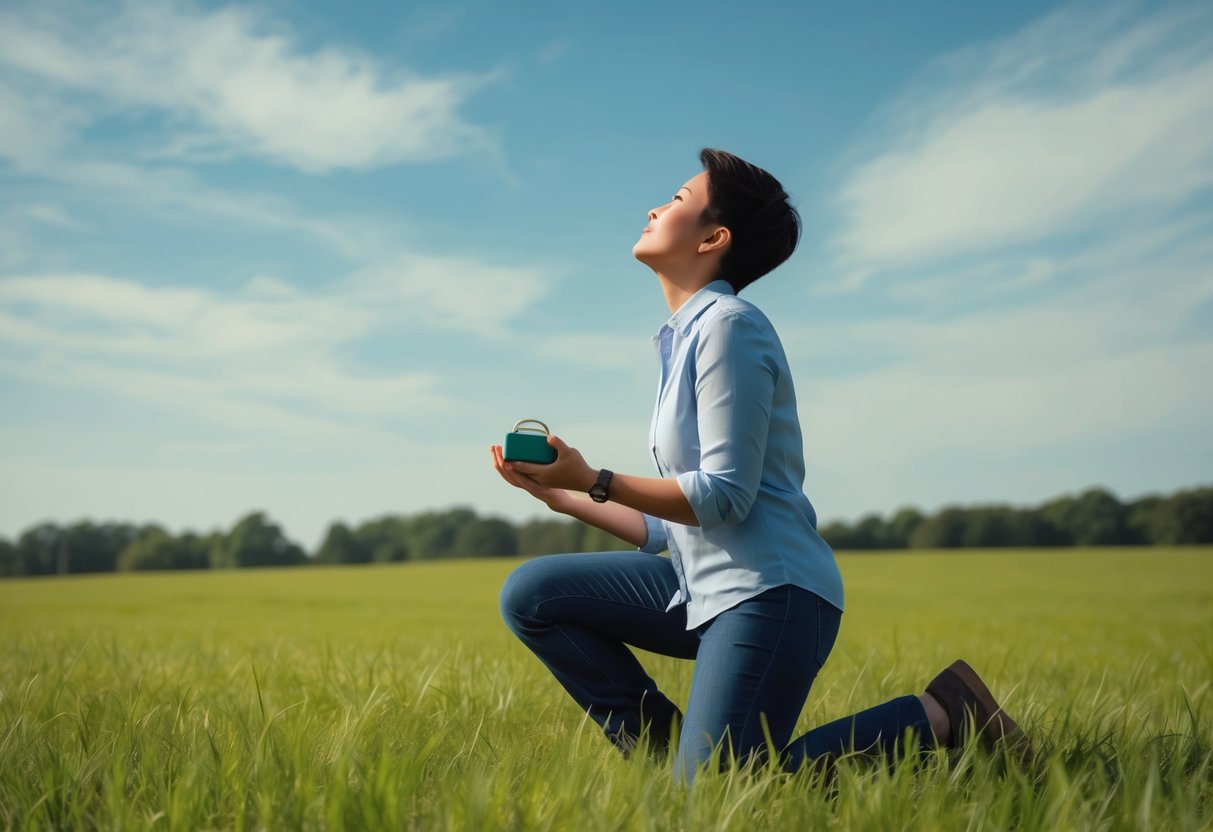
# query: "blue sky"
(283, 257)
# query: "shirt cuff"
(656, 542)
(708, 500)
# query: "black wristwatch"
(600, 491)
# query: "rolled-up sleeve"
(736, 372)
(656, 542)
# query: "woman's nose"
(652, 213)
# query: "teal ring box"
(528, 444)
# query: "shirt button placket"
(676, 562)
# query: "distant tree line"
(49, 549)
(1094, 518)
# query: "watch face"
(600, 491)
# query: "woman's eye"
(677, 197)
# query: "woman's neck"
(678, 289)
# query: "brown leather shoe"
(970, 706)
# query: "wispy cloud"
(260, 356)
(36, 126)
(270, 354)
(53, 215)
(64, 73)
(250, 359)
(224, 82)
(1112, 357)
(452, 292)
(1024, 229)
(998, 404)
(1087, 116)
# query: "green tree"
(986, 526)
(1097, 518)
(596, 540)
(341, 545)
(546, 537)
(873, 533)
(941, 531)
(1030, 528)
(839, 535)
(480, 537)
(1058, 513)
(432, 534)
(1184, 517)
(95, 548)
(42, 550)
(197, 548)
(256, 541)
(8, 558)
(155, 548)
(1141, 520)
(384, 540)
(903, 524)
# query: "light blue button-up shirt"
(725, 425)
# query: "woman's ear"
(719, 239)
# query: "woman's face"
(674, 232)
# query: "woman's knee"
(528, 586)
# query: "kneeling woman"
(750, 591)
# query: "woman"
(750, 591)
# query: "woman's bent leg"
(577, 612)
(756, 664)
(875, 730)
(879, 731)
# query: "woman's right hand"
(553, 497)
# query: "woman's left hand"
(570, 470)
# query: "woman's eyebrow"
(684, 188)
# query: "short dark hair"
(752, 204)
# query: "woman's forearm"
(613, 518)
(656, 496)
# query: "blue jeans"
(754, 663)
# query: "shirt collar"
(694, 306)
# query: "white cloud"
(553, 51)
(1023, 226)
(265, 357)
(176, 194)
(39, 139)
(35, 127)
(453, 292)
(53, 215)
(228, 82)
(1118, 361)
(1082, 117)
(633, 353)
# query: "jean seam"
(539, 606)
(610, 679)
(767, 672)
(817, 650)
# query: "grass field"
(394, 698)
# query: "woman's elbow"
(716, 500)
(730, 506)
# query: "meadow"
(392, 697)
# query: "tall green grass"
(393, 698)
